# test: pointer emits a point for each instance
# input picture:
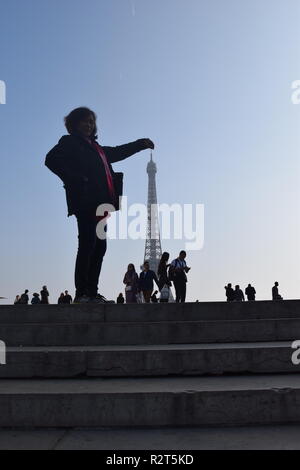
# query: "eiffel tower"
(153, 249)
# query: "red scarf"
(109, 178)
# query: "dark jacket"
(24, 299)
(230, 294)
(146, 280)
(131, 279)
(163, 277)
(239, 295)
(67, 299)
(250, 292)
(44, 296)
(81, 169)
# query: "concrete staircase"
(193, 364)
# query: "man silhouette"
(67, 298)
(250, 292)
(229, 292)
(177, 271)
(147, 276)
(24, 297)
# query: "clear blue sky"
(209, 81)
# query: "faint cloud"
(133, 11)
(296, 94)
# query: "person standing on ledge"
(229, 292)
(44, 295)
(147, 276)
(177, 273)
(250, 293)
(67, 298)
(120, 299)
(61, 298)
(239, 294)
(85, 168)
(131, 280)
(24, 298)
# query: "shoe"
(100, 299)
(81, 299)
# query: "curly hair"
(74, 117)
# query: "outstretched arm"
(116, 154)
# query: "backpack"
(171, 272)
(23, 299)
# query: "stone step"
(266, 437)
(184, 401)
(149, 312)
(140, 361)
(134, 333)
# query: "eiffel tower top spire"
(151, 167)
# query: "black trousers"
(180, 289)
(90, 254)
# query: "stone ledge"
(140, 361)
(229, 401)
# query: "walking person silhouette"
(131, 281)
(147, 276)
(162, 271)
(85, 167)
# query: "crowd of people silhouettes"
(237, 295)
(139, 289)
(42, 298)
